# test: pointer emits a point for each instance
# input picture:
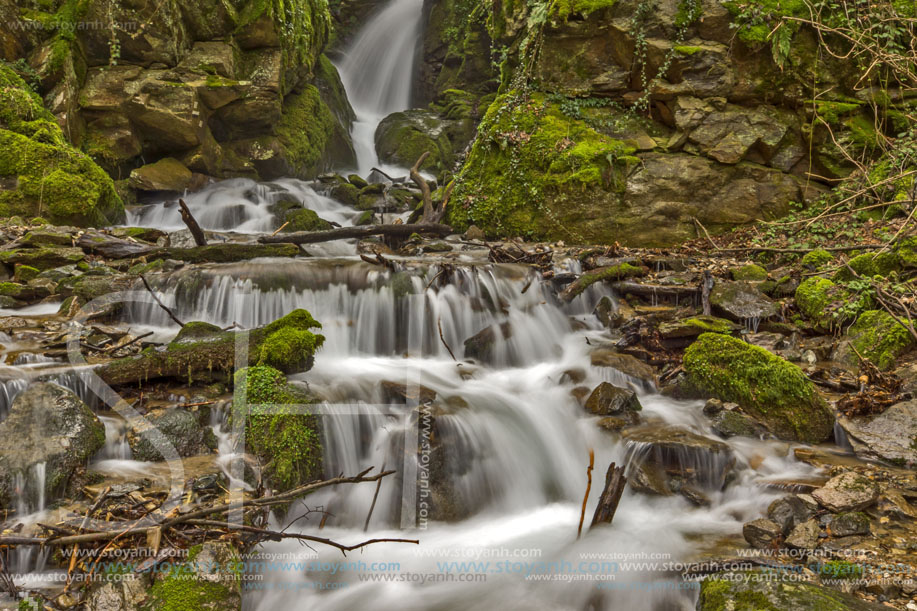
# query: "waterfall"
(377, 71)
(241, 205)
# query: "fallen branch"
(439, 323)
(188, 219)
(364, 231)
(582, 515)
(424, 189)
(373, 505)
(161, 304)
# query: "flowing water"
(376, 72)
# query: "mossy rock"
(46, 176)
(869, 265)
(210, 580)
(766, 591)
(42, 258)
(829, 305)
(304, 219)
(749, 273)
(403, 137)
(816, 258)
(767, 387)
(695, 325)
(197, 330)
(289, 344)
(278, 426)
(879, 338)
(24, 273)
(906, 250)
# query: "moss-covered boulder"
(210, 579)
(879, 338)
(767, 387)
(403, 137)
(279, 427)
(829, 305)
(41, 174)
(163, 430)
(765, 591)
(869, 265)
(167, 174)
(303, 219)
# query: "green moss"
(687, 50)
(276, 429)
(304, 130)
(197, 330)
(24, 273)
(833, 111)
(289, 345)
(612, 272)
(564, 8)
(869, 265)
(817, 258)
(879, 338)
(711, 324)
(304, 219)
(180, 591)
(906, 250)
(839, 569)
(768, 387)
(53, 179)
(302, 25)
(829, 305)
(750, 273)
(533, 171)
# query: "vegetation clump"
(880, 338)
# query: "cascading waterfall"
(510, 440)
(376, 72)
(241, 205)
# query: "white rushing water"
(508, 467)
(241, 205)
(377, 72)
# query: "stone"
(48, 430)
(846, 492)
(481, 346)
(789, 512)
(397, 392)
(474, 234)
(165, 431)
(624, 363)
(695, 325)
(848, 523)
(607, 399)
(762, 533)
(887, 436)
(666, 458)
(741, 301)
(42, 258)
(733, 423)
(804, 536)
(167, 174)
(166, 114)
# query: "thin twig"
(582, 515)
(161, 304)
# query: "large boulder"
(162, 430)
(403, 137)
(741, 301)
(667, 460)
(41, 174)
(607, 400)
(846, 492)
(891, 435)
(48, 434)
(767, 387)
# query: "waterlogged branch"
(365, 231)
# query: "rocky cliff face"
(631, 122)
(226, 87)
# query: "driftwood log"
(365, 231)
(611, 495)
(188, 219)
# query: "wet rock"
(396, 392)
(42, 258)
(773, 391)
(23, 292)
(789, 512)
(607, 399)
(733, 423)
(804, 536)
(481, 345)
(47, 425)
(664, 459)
(474, 234)
(167, 174)
(403, 137)
(764, 590)
(616, 423)
(573, 376)
(695, 325)
(762, 533)
(49, 236)
(741, 301)
(889, 436)
(197, 330)
(846, 492)
(748, 273)
(177, 428)
(126, 595)
(849, 523)
(203, 582)
(626, 364)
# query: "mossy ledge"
(766, 386)
(287, 344)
